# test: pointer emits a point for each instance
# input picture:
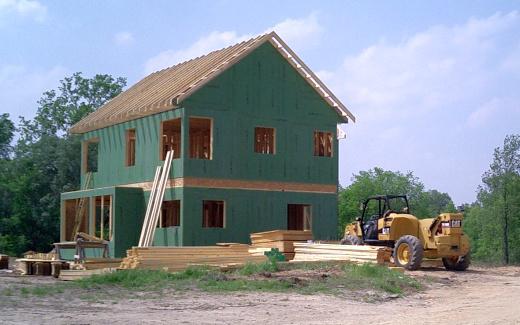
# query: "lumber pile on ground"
(282, 240)
(71, 275)
(179, 258)
(310, 252)
(101, 263)
(97, 263)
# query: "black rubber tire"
(461, 264)
(351, 240)
(416, 251)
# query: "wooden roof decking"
(166, 89)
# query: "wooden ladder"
(80, 206)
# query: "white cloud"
(450, 90)
(25, 8)
(124, 38)
(294, 31)
(20, 88)
(484, 113)
(298, 32)
(204, 45)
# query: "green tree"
(378, 181)
(46, 161)
(498, 206)
(6, 136)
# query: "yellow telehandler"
(386, 220)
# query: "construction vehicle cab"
(386, 220)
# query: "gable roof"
(166, 89)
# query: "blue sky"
(435, 86)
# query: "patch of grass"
(141, 279)
(255, 268)
(310, 278)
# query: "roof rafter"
(166, 89)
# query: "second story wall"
(262, 90)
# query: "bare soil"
(477, 296)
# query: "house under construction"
(254, 138)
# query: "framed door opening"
(299, 217)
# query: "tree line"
(492, 222)
(39, 159)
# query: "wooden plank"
(241, 184)
(281, 245)
(332, 252)
(146, 221)
(70, 275)
(177, 258)
(159, 198)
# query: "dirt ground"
(477, 296)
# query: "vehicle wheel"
(351, 240)
(458, 263)
(408, 252)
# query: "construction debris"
(179, 258)
(282, 240)
(310, 252)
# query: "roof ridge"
(165, 89)
(212, 52)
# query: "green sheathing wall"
(129, 208)
(264, 90)
(111, 151)
(170, 236)
(261, 90)
(129, 211)
(253, 211)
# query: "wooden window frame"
(131, 142)
(84, 147)
(210, 137)
(162, 153)
(320, 144)
(207, 223)
(263, 148)
(105, 205)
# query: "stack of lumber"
(98, 263)
(40, 256)
(71, 275)
(282, 240)
(179, 258)
(310, 252)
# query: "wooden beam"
(241, 184)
